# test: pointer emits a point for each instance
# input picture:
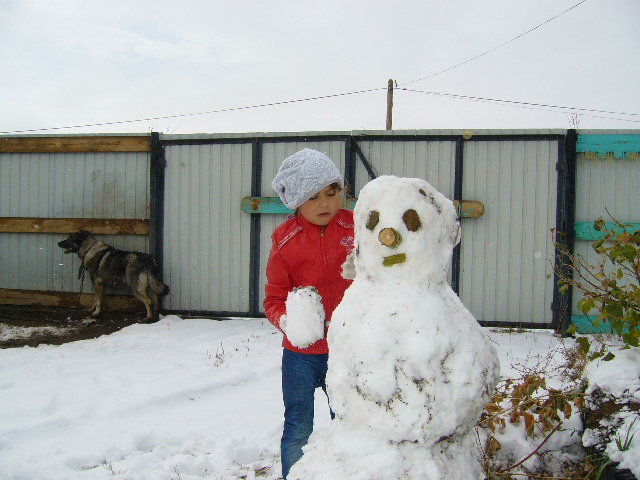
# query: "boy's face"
(322, 207)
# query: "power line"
(530, 105)
(222, 110)
(496, 47)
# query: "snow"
(304, 321)
(410, 371)
(181, 398)
(197, 397)
(619, 378)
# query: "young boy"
(308, 251)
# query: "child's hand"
(349, 267)
(304, 322)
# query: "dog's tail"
(152, 268)
(157, 286)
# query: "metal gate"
(214, 254)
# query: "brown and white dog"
(110, 267)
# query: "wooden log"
(72, 144)
(469, 208)
(104, 226)
(46, 298)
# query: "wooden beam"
(469, 208)
(73, 144)
(270, 205)
(105, 226)
(616, 146)
(275, 205)
(585, 230)
(585, 324)
(45, 298)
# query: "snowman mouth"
(394, 259)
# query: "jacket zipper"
(323, 254)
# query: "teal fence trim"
(584, 324)
(585, 230)
(619, 146)
(275, 205)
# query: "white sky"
(73, 62)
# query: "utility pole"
(390, 104)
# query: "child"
(308, 251)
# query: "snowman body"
(409, 367)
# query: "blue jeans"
(301, 375)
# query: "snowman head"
(405, 231)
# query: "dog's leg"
(155, 308)
(141, 294)
(98, 287)
(147, 304)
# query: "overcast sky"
(82, 62)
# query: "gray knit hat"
(304, 174)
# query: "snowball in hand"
(304, 323)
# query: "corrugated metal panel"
(507, 254)
(272, 156)
(66, 185)
(433, 161)
(206, 236)
(605, 186)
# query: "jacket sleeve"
(278, 286)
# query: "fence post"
(157, 164)
(254, 248)
(457, 195)
(565, 230)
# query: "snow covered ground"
(179, 399)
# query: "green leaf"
(572, 329)
(630, 339)
(598, 224)
(614, 310)
(608, 357)
(586, 305)
(583, 344)
(629, 252)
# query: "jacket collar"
(337, 219)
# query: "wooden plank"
(271, 205)
(73, 144)
(105, 226)
(469, 208)
(584, 324)
(616, 145)
(585, 230)
(45, 298)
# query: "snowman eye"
(411, 220)
(374, 218)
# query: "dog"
(110, 267)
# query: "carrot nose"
(389, 237)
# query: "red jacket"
(303, 255)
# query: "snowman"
(410, 369)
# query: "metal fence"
(187, 191)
